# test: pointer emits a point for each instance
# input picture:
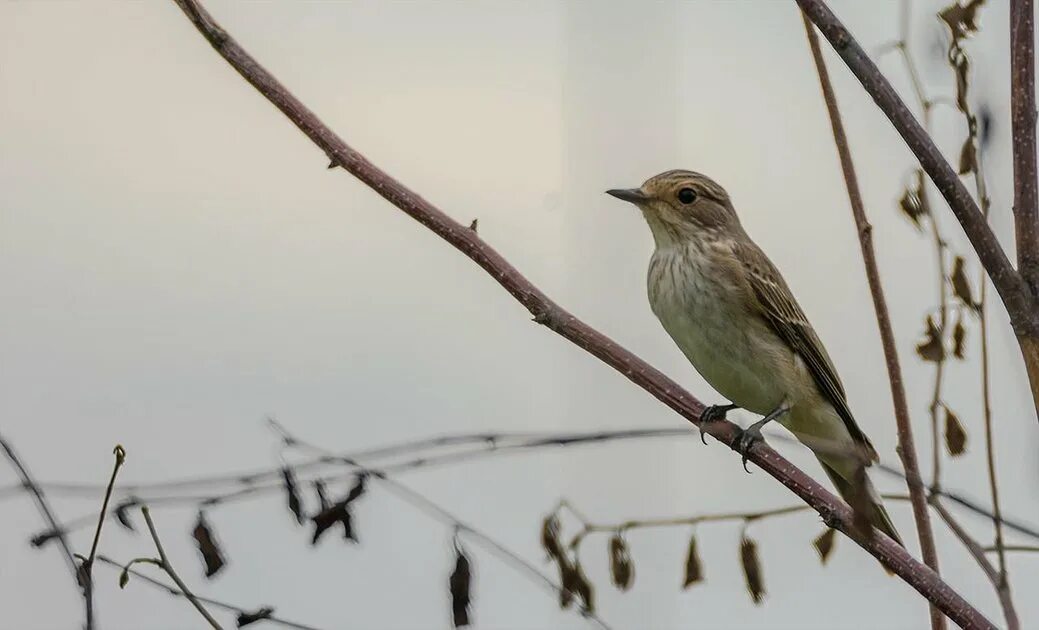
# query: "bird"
(729, 310)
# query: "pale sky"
(176, 264)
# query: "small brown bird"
(731, 313)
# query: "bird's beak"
(633, 195)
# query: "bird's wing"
(782, 311)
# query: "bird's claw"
(748, 437)
(713, 413)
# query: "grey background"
(176, 263)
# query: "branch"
(554, 317)
(168, 568)
(1022, 116)
(1011, 288)
(906, 445)
(56, 530)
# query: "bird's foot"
(748, 437)
(713, 414)
(752, 434)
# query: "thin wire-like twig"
(906, 443)
(56, 528)
(487, 445)
(176, 592)
(86, 570)
(589, 527)
(168, 568)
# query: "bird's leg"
(712, 414)
(752, 434)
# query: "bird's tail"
(857, 490)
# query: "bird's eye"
(687, 195)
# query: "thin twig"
(557, 319)
(56, 529)
(176, 592)
(906, 444)
(168, 568)
(986, 378)
(87, 567)
(978, 552)
(589, 527)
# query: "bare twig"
(86, 570)
(168, 568)
(56, 529)
(557, 319)
(176, 592)
(978, 553)
(588, 527)
(906, 444)
(1022, 115)
(1012, 290)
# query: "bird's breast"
(707, 315)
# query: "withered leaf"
(914, 202)
(566, 595)
(961, 67)
(122, 514)
(124, 578)
(460, 585)
(962, 19)
(955, 435)
(961, 285)
(752, 569)
(246, 618)
(44, 537)
(931, 349)
(292, 494)
(959, 335)
(338, 512)
(550, 537)
(583, 587)
(621, 568)
(824, 544)
(968, 157)
(693, 566)
(212, 556)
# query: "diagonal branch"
(557, 319)
(906, 445)
(1022, 117)
(1012, 290)
(57, 530)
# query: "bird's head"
(679, 205)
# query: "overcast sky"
(176, 264)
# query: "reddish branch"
(554, 317)
(906, 445)
(1016, 297)
(1022, 116)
